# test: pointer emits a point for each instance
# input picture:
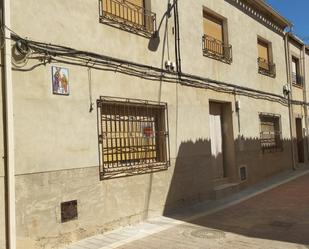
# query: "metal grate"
(266, 67)
(297, 79)
(217, 49)
(133, 137)
(69, 211)
(270, 135)
(243, 173)
(128, 16)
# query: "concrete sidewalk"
(184, 230)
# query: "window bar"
(123, 134)
(162, 135)
(132, 142)
(166, 135)
(100, 138)
(122, 12)
(127, 13)
(127, 125)
(104, 134)
(130, 15)
(136, 137)
(152, 136)
(157, 137)
(145, 138)
(115, 136)
(111, 138)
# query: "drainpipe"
(289, 82)
(305, 97)
(9, 130)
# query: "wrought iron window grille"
(297, 79)
(270, 135)
(266, 67)
(133, 137)
(127, 16)
(216, 49)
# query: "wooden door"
(299, 139)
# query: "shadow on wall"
(195, 169)
(193, 182)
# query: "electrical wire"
(61, 54)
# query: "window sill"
(300, 86)
(133, 170)
(266, 73)
(270, 150)
(217, 57)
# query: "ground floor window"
(133, 137)
(270, 134)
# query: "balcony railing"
(266, 67)
(216, 49)
(128, 16)
(297, 79)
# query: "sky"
(296, 11)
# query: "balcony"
(297, 80)
(125, 15)
(216, 49)
(266, 67)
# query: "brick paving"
(276, 219)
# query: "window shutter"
(213, 27)
(263, 50)
(139, 3)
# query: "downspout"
(289, 95)
(9, 129)
(175, 34)
(305, 98)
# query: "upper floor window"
(270, 136)
(296, 75)
(265, 60)
(215, 40)
(130, 15)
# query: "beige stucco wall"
(56, 136)
(2, 176)
(243, 33)
(77, 25)
(2, 214)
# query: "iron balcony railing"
(126, 15)
(297, 79)
(266, 67)
(216, 49)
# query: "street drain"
(206, 233)
(281, 224)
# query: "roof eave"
(284, 23)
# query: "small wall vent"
(69, 211)
(243, 173)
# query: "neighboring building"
(163, 138)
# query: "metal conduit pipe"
(305, 98)
(8, 129)
(289, 95)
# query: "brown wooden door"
(299, 139)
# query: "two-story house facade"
(116, 111)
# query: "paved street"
(270, 215)
(276, 219)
